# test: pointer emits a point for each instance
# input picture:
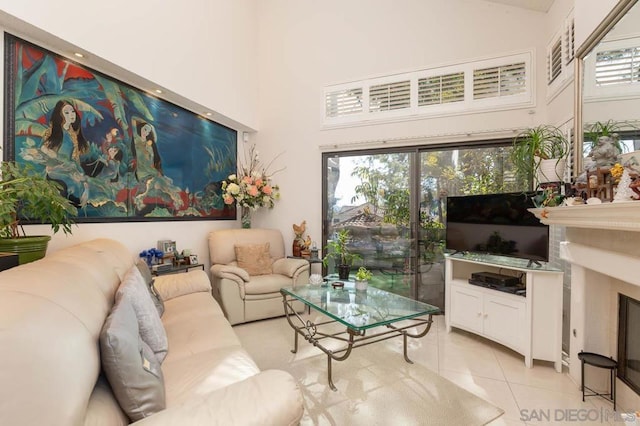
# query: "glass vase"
(245, 217)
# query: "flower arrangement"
(251, 187)
(152, 256)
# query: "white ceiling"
(538, 5)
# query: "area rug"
(375, 385)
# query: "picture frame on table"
(193, 259)
(168, 247)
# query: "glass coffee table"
(369, 316)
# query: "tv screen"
(496, 224)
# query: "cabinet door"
(505, 321)
(466, 309)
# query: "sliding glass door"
(369, 195)
(393, 203)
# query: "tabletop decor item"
(152, 256)
(251, 188)
(315, 279)
(362, 278)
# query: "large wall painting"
(119, 153)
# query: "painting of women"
(152, 184)
(65, 148)
(145, 150)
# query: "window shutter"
(499, 81)
(343, 102)
(569, 42)
(390, 96)
(554, 61)
(441, 89)
(617, 67)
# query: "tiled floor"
(535, 396)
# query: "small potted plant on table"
(338, 249)
(362, 278)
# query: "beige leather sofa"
(51, 315)
(246, 297)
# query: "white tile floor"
(535, 396)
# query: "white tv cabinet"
(530, 325)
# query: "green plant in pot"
(28, 195)
(338, 250)
(362, 278)
(540, 153)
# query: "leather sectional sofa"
(52, 314)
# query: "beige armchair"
(244, 295)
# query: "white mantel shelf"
(615, 216)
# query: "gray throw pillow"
(149, 323)
(130, 365)
(148, 279)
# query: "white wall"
(263, 64)
(305, 46)
(202, 51)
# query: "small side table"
(180, 268)
(599, 361)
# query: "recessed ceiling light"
(158, 91)
(209, 114)
(79, 55)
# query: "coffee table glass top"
(359, 310)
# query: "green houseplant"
(26, 194)
(541, 153)
(362, 278)
(338, 250)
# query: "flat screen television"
(498, 224)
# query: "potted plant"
(362, 278)
(26, 194)
(338, 249)
(541, 153)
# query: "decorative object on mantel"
(602, 164)
(251, 187)
(549, 197)
(625, 192)
(573, 201)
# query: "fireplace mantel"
(623, 216)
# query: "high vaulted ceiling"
(538, 5)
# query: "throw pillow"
(151, 328)
(148, 279)
(254, 258)
(130, 365)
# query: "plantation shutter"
(554, 61)
(569, 42)
(441, 89)
(390, 96)
(343, 102)
(499, 81)
(617, 67)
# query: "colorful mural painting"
(119, 153)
